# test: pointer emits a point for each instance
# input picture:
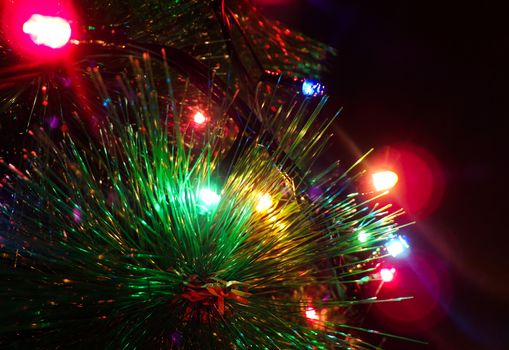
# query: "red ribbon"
(212, 294)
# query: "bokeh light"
(427, 279)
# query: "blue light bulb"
(312, 88)
(397, 246)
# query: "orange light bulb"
(384, 180)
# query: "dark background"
(431, 77)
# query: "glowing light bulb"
(312, 88)
(311, 313)
(199, 118)
(387, 275)
(363, 236)
(209, 197)
(264, 204)
(384, 180)
(397, 246)
(53, 32)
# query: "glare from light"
(264, 203)
(387, 275)
(397, 246)
(53, 32)
(209, 197)
(311, 313)
(384, 180)
(199, 118)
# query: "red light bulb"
(53, 32)
(387, 275)
(39, 30)
(199, 118)
(311, 313)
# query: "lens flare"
(53, 32)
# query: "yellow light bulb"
(264, 203)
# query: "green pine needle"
(119, 241)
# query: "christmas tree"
(159, 187)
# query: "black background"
(433, 74)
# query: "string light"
(384, 180)
(397, 246)
(264, 203)
(53, 32)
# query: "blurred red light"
(38, 30)
(53, 32)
